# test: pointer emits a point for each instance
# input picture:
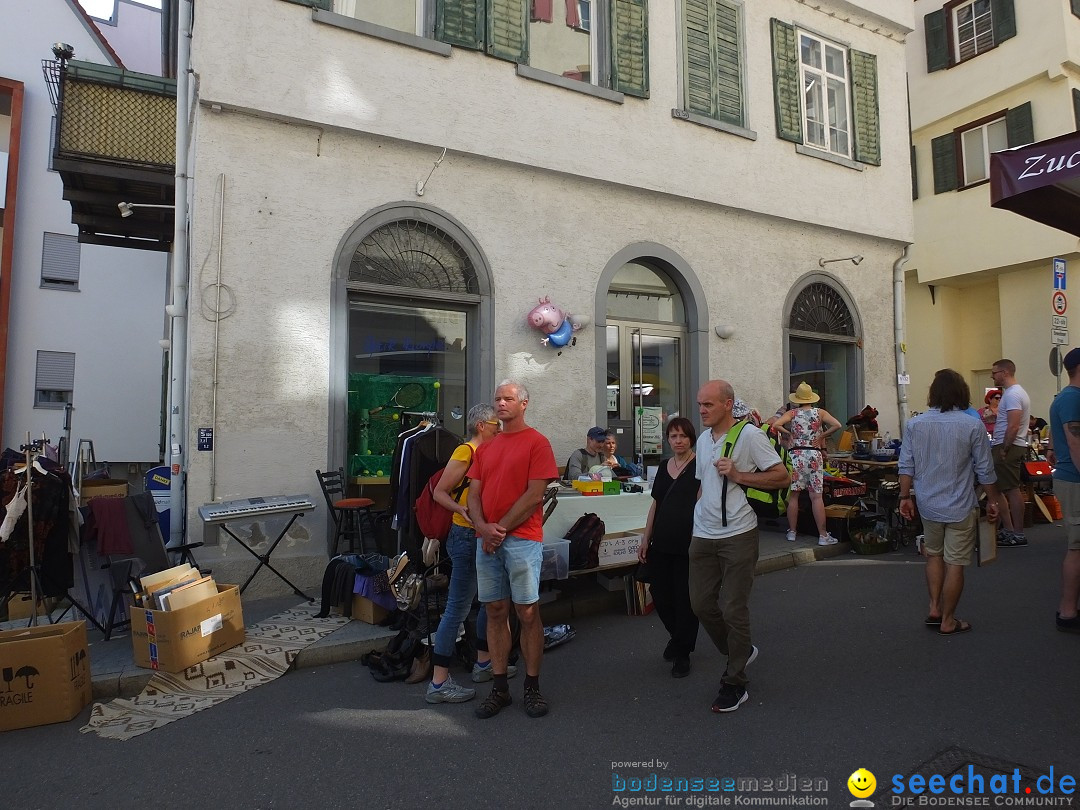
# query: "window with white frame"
(976, 144)
(410, 16)
(826, 118)
(54, 379)
(584, 14)
(564, 45)
(973, 28)
(60, 259)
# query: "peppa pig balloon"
(557, 326)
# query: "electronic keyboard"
(252, 508)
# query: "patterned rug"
(268, 651)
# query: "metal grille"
(117, 123)
(410, 253)
(819, 308)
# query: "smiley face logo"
(861, 783)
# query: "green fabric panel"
(508, 30)
(1019, 126)
(728, 68)
(1003, 16)
(943, 153)
(630, 47)
(937, 41)
(460, 22)
(700, 57)
(1076, 7)
(865, 123)
(785, 53)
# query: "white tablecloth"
(620, 513)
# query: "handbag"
(643, 572)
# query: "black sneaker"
(1068, 625)
(669, 651)
(493, 704)
(730, 698)
(1008, 539)
(535, 705)
(681, 667)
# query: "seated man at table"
(583, 459)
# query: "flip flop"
(933, 621)
(961, 627)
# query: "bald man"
(724, 548)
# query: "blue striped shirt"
(944, 452)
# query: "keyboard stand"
(264, 559)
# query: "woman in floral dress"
(807, 427)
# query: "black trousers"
(670, 588)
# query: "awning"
(1040, 181)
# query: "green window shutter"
(728, 64)
(937, 41)
(943, 152)
(630, 47)
(914, 176)
(508, 30)
(786, 92)
(1076, 7)
(325, 5)
(1018, 125)
(460, 22)
(1076, 107)
(865, 121)
(701, 89)
(1003, 15)
(713, 63)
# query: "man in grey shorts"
(1009, 448)
(1062, 452)
(943, 451)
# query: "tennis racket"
(407, 396)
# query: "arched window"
(411, 253)
(823, 337)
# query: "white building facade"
(84, 320)
(385, 198)
(985, 76)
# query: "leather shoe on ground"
(681, 667)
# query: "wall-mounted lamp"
(62, 51)
(856, 260)
(724, 331)
(127, 209)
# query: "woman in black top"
(667, 541)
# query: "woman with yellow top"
(452, 493)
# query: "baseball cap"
(1072, 360)
(597, 433)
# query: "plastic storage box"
(556, 563)
(589, 487)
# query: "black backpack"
(585, 536)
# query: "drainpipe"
(179, 302)
(898, 336)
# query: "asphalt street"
(848, 677)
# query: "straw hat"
(803, 395)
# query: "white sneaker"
(827, 540)
(791, 535)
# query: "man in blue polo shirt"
(1063, 453)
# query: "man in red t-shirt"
(506, 491)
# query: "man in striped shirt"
(943, 454)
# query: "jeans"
(366, 563)
(461, 548)
(512, 571)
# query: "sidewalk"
(114, 673)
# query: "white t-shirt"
(752, 452)
(1013, 398)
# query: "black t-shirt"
(673, 523)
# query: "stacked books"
(173, 588)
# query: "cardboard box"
(45, 674)
(619, 548)
(365, 610)
(173, 640)
(19, 606)
(102, 488)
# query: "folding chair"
(349, 514)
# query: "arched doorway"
(412, 309)
(652, 348)
(824, 344)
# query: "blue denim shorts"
(511, 572)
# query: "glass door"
(645, 376)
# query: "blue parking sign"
(1059, 274)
